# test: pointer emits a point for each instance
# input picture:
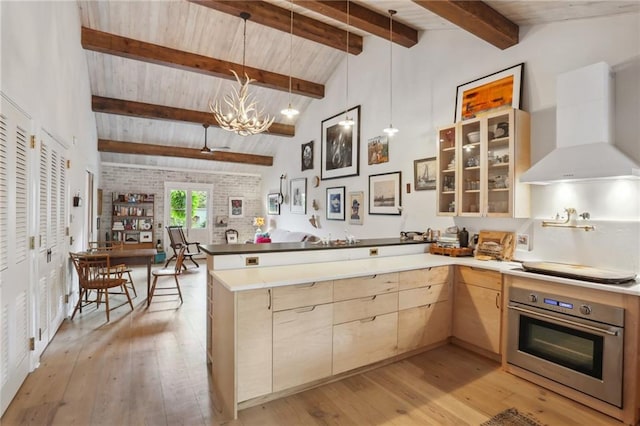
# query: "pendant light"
(347, 122)
(390, 131)
(290, 111)
(205, 149)
(242, 116)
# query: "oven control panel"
(568, 305)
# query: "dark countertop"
(220, 249)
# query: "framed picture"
(384, 193)
(424, 174)
(335, 203)
(307, 156)
(236, 207)
(378, 150)
(273, 206)
(232, 239)
(340, 146)
(299, 196)
(500, 89)
(355, 204)
(222, 221)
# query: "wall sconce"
(280, 195)
(313, 221)
(77, 201)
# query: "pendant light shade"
(391, 130)
(290, 111)
(348, 121)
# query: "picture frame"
(340, 146)
(424, 174)
(306, 156)
(378, 150)
(335, 203)
(298, 196)
(385, 196)
(355, 204)
(500, 89)
(222, 221)
(273, 206)
(232, 239)
(236, 207)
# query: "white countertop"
(275, 276)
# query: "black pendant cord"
(245, 16)
(280, 195)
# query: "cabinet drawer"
(364, 307)
(363, 342)
(302, 341)
(299, 295)
(353, 288)
(423, 277)
(480, 277)
(423, 296)
(423, 326)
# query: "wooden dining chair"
(107, 246)
(178, 239)
(168, 272)
(96, 273)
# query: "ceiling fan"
(205, 149)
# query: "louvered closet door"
(14, 257)
(52, 247)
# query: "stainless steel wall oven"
(573, 342)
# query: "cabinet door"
(302, 340)
(446, 178)
(364, 307)
(472, 167)
(476, 316)
(254, 343)
(353, 288)
(423, 277)
(423, 296)
(365, 341)
(423, 325)
(299, 295)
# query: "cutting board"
(498, 245)
(579, 272)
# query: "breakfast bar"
(286, 317)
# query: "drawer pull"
(373, 277)
(305, 309)
(429, 287)
(368, 299)
(307, 285)
(425, 306)
(498, 300)
(269, 302)
(368, 319)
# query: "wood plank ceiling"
(156, 65)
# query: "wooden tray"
(450, 251)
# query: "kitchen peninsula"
(286, 317)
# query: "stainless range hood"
(584, 123)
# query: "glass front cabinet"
(479, 175)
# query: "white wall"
(44, 71)
(425, 81)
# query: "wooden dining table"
(135, 257)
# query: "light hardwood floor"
(147, 367)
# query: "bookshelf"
(132, 219)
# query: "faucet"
(557, 223)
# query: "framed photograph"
(299, 196)
(424, 174)
(378, 150)
(522, 242)
(500, 89)
(355, 204)
(384, 193)
(222, 221)
(307, 156)
(340, 146)
(232, 239)
(236, 207)
(273, 207)
(335, 203)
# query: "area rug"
(510, 417)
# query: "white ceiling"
(190, 27)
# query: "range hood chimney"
(584, 132)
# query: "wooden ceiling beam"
(279, 18)
(478, 18)
(160, 112)
(364, 19)
(119, 147)
(112, 44)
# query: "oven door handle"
(565, 321)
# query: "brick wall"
(151, 181)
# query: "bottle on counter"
(463, 236)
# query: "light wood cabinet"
(423, 277)
(364, 341)
(353, 288)
(302, 345)
(364, 307)
(481, 176)
(423, 325)
(254, 343)
(477, 308)
(299, 295)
